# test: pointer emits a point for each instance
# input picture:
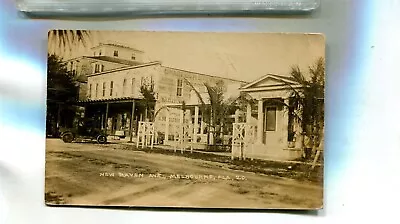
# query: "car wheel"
(101, 139)
(67, 137)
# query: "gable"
(269, 80)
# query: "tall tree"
(62, 90)
(149, 100)
(308, 101)
(61, 84)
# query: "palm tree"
(217, 111)
(308, 102)
(64, 40)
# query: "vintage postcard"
(185, 119)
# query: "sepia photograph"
(185, 119)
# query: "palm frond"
(298, 76)
(66, 40)
(158, 111)
(196, 91)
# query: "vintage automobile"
(84, 131)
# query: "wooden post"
(195, 125)
(237, 116)
(106, 118)
(285, 122)
(166, 134)
(181, 131)
(152, 136)
(131, 121)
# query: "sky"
(242, 56)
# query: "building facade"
(112, 78)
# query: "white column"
(248, 114)
(166, 134)
(181, 117)
(196, 123)
(260, 121)
(237, 116)
(188, 116)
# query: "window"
(97, 89)
(94, 53)
(270, 119)
(104, 89)
(102, 68)
(100, 53)
(179, 87)
(123, 87)
(111, 88)
(133, 86)
(90, 91)
(133, 57)
(115, 53)
(96, 68)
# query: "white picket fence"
(146, 134)
(243, 139)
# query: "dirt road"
(90, 174)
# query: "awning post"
(131, 121)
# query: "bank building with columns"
(111, 79)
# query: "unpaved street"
(91, 174)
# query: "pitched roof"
(115, 60)
(126, 68)
(114, 44)
(213, 76)
(280, 78)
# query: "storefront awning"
(112, 100)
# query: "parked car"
(85, 130)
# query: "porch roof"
(110, 100)
(179, 105)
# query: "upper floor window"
(90, 91)
(115, 53)
(111, 88)
(100, 53)
(102, 68)
(179, 87)
(123, 87)
(97, 89)
(96, 68)
(133, 57)
(104, 89)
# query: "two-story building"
(113, 75)
(112, 79)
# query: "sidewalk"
(225, 154)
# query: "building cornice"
(125, 68)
